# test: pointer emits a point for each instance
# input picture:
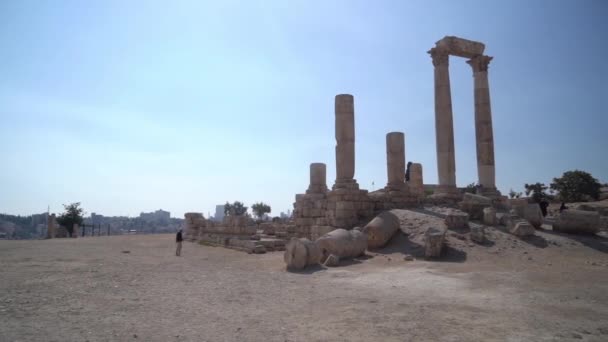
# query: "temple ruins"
(329, 224)
(444, 127)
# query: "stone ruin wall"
(239, 233)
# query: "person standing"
(407, 172)
(543, 207)
(178, 240)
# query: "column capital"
(439, 56)
(479, 63)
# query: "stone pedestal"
(433, 242)
(395, 161)
(345, 142)
(416, 183)
(318, 176)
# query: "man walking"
(178, 240)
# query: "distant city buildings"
(159, 216)
(96, 219)
(219, 213)
(285, 215)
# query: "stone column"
(444, 127)
(75, 228)
(318, 176)
(484, 135)
(416, 184)
(395, 160)
(345, 142)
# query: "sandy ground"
(552, 287)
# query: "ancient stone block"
(332, 261)
(522, 228)
(518, 204)
(533, 214)
(478, 233)
(577, 221)
(318, 231)
(460, 47)
(258, 249)
(489, 216)
(474, 205)
(456, 219)
(300, 253)
(381, 229)
(433, 243)
(342, 243)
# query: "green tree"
(471, 188)
(237, 208)
(259, 209)
(576, 186)
(537, 190)
(513, 194)
(73, 214)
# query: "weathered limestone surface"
(577, 221)
(478, 233)
(474, 205)
(416, 183)
(381, 229)
(444, 125)
(318, 179)
(533, 214)
(521, 228)
(318, 231)
(518, 204)
(460, 47)
(484, 135)
(332, 261)
(489, 216)
(345, 142)
(456, 219)
(342, 243)
(193, 222)
(433, 244)
(300, 253)
(395, 160)
(346, 207)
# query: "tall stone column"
(318, 179)
(395, 160)
(444, 126)
(484, 135)
(345, 142)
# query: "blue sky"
(130, 106)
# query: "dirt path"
(88, 290)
